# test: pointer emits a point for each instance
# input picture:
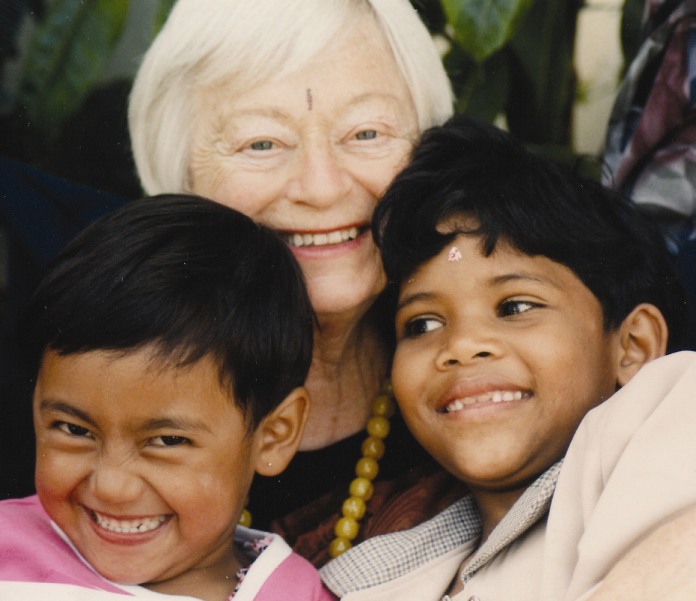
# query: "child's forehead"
(463, 261)
(483, 242)
(468, 244)
(135, 381)
(154, 359)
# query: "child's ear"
(280, 432)
(642, 338)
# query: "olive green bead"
(373, 447)
(383, 405)
(353, 507)
(361, 487)
(347, 528)
(245, 518)
(367, 467)
(338, 545)
(378, 426)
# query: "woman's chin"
(348, 298)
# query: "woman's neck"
(349, 364)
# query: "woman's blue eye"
(367, 134)
(420, 326)
(170, 441)
(261, 145)
(509, 308)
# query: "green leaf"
(68, 53)
(483, 27)
(542, 73)
(481, 89)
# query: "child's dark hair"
(192, 278)
(473, 169)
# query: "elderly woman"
(299, 113)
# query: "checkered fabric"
(390, 556)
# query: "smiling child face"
(145, 467)
(498, 359)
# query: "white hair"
(243, 43)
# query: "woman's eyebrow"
(369, 96)
(63, 407)
(255, 111)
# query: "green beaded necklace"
(366, 469)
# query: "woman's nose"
(320, 179)
(468, 344)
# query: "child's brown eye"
(515, 307)
(421, 325)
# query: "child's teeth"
(497, 396)
(128, 526)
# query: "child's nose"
(115, 482)
(470, 344)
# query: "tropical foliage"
(509, 58)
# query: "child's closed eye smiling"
(169, 441)
(71, 429)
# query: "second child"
(527, 297)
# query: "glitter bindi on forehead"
(454, 254)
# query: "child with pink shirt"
(168, 370)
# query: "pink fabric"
(294, 578)
(32, 551)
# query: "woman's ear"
(279, 434)
(642, 338)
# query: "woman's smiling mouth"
(298, 239)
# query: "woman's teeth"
(324, 239)
(498, 396)
(128, 526)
